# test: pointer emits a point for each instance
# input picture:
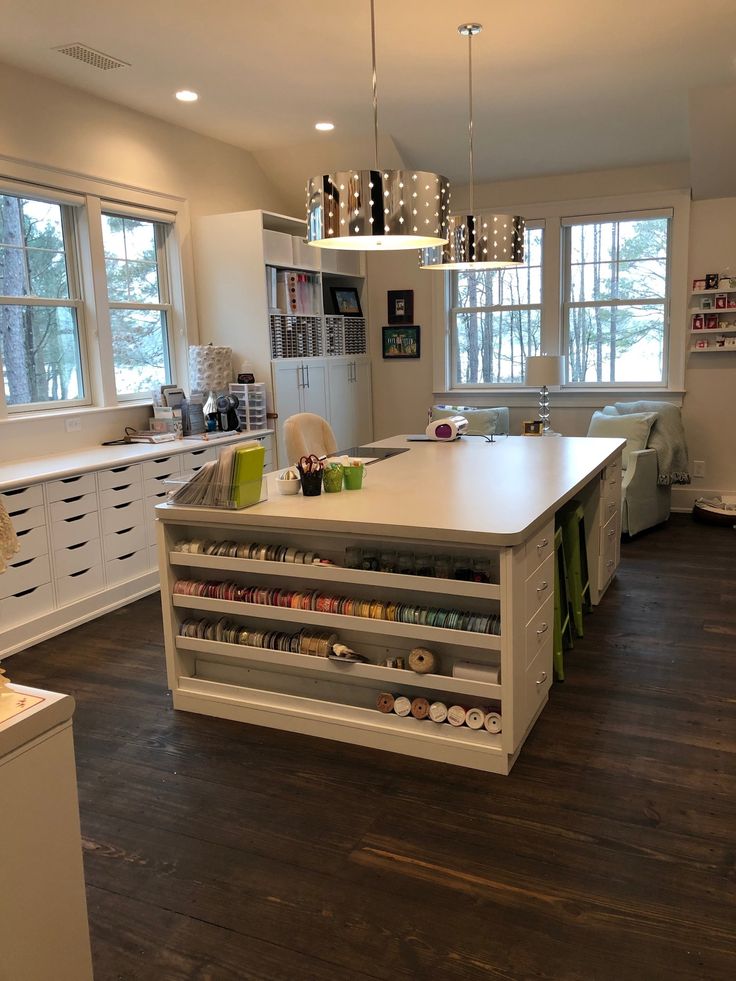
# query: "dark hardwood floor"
(215, 850)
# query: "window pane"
(140, 350)
(131, 259)
(505, 287)
(492, 346)
(32, 259)
(618, 260)
(616, 343)
(39, 347)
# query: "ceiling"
(565, 86)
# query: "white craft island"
(431, 507)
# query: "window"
(496, 319)
(616, 299)
(138, 294)
(40, 304)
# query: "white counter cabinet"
(481, 506)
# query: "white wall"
(51, 125)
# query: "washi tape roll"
(493, 722)
(456, 715)
(385, 702)
(438, 712)
(420, 708)
(402, 705)
(468, 671)
(475, 718)
(422, 661)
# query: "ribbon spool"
(475, 718)
(385, 702)
(422, 661)
(493, 722)
(420, 708)
(438, 712)
(402, 705)
(456, 715)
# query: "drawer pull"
(119, 507)
(162, 459)
(19, 565)
(70, 548)
(122, 487)
(124, 531)
(542, 678)
(17, 514)
(198, 452)
(542, 586)
(71, 480)
(121, 558)
(20, 534)
(543, 544)
(77, 517)
(11, 493)
(119, 469)
(543, 629)
(71, 500)
(25, 592)
(73, 575)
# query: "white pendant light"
(381, 210)
(477, 240)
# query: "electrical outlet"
(73, 425)
(698, 468)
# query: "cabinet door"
(287, 380)
(314, 387)
(342, 403)
(363, 401)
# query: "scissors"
(310, 464)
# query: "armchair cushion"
(633, 427)
(481, 421)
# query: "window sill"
(560, 398)
(67, 411)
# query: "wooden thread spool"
(385, 702)
(493, 722)
(456, 715)
(438, 712)
(402, 705)
(475, 718)
(422, 661)
(420, 708)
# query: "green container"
(332, 478)
(354, 477)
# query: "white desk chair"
(307, 433)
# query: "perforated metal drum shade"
(385, 210)
(480, 241)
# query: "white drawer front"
(82, 583)
(121, 494)
(610, 544)
(157, 485)
(539, 547)
(123, 516)
(74, 531)
(32, 543)
(539, 632)
(27, 605)
(77, 557)
(127, 567)
(33, 517)
(161, 465)
(120, 475)
(195, 459)
(70, 507)
(30, 573)
(539, 587)
(60, 490)
(19, 498)
(123, 542)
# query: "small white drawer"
(25, 575)
(82, 583)
(74, 531)
(156, 485)
(19, 498)
(32, 517)
(32, 543)
(121, 494)
(127, 566)
(153, 499)
(70, 507)
(539, 632)
(127, 515)
(539, 587)
(77, 557)
(129, 539)
(26, 605)
(116, 476)
(539, 547)
(60, 490)
(195, 459)
(610, 544)
(161, 465)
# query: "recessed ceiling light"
(186, 95)
(324, 127)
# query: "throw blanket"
(667, 438)
(8, 540)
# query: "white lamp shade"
(545, 369)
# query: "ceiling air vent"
(82, 52)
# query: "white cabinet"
(299, 386)
(350, 400)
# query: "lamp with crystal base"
(543, 370)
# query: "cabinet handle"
(543, 544)
(543, 629)
(542, 586)
(612, 532)
(542, 678)
(307, 370)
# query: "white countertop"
(38, 469)
(469, 490)
(45, 711)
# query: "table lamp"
(543, 370)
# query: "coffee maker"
(227, 416)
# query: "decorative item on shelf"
(706, 303)
(401, 342)
(711, 281)
(400, 306)
(721, 301)
(210, 368)
(423, 661)
(711, 321)
(477, 240)
(698, 285)
(346, 301)
(533, 427)
(542, 371)
(698, 322)
(377, 209)
(346, 655)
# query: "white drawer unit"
(538, 675)
(126, 566)
(110, 497)
(70, 507)
(20, 498)
(74, 531)
(66, 487)
(26, 605)
(118, 476)
(128, 515)
(78, 584)
(75, 558)
(25, 574)
(540, 586)
(122, 542)
(161, 466)
(153, 486)
(33, 542)
(31, 517)
(196, 459)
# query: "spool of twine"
(456, 715)
(475, 718)
(438, 712)
(420, 708)
(422, 661)
(493, 722)
(385, 702)
(402, 705)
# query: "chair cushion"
(481, 421)
(633, 427)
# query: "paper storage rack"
(317, 696)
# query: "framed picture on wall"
(400, 306)
(401, 342)
(346, 301)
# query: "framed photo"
(401, 342)
(711, 281)
(534, 427)
(721, 300)
(706, 303)
(346, 301)
(698, 321)
(698, 284)
(711, 321)
(400, 306)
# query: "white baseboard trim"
(685, 496)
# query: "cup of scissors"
(310, 470)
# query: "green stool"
(562, 633)
(571, 521)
